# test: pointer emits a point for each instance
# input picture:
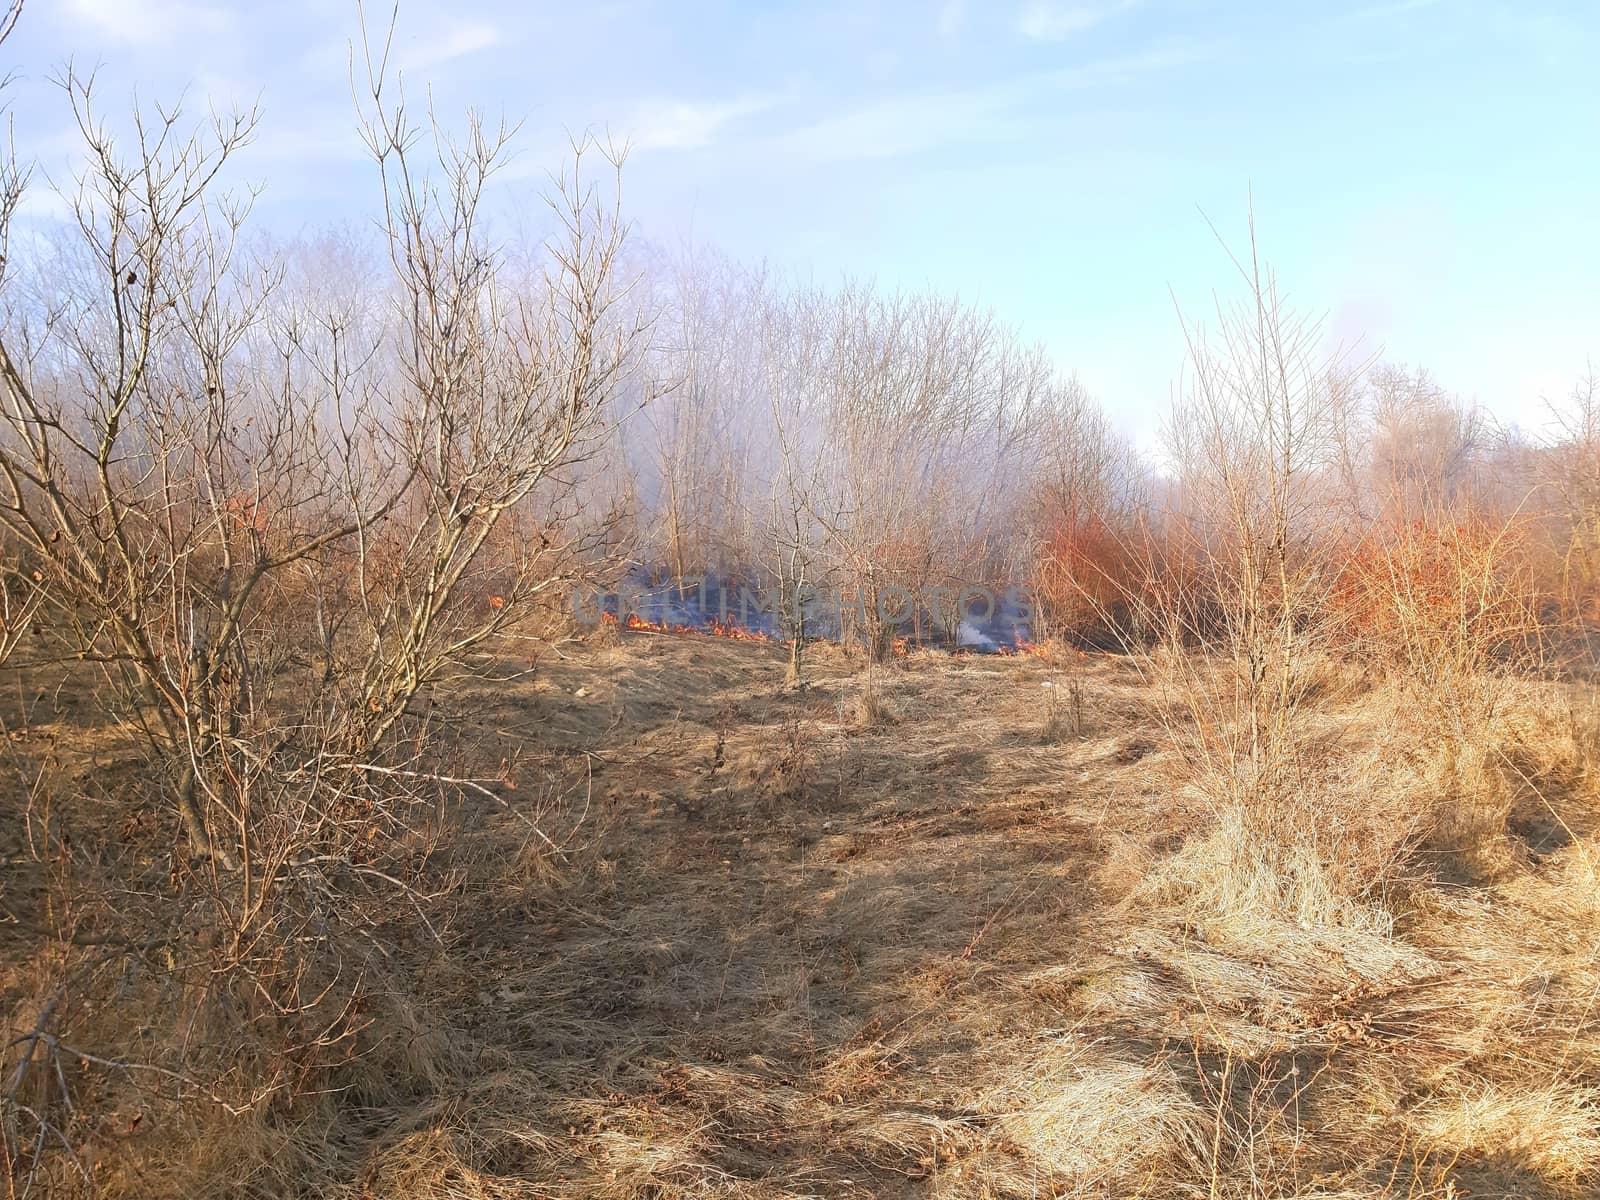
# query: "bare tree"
(699, 436)
(1424, 446)
(1574, 464)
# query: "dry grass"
(786, 952)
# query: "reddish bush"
(1437, 596)
(1081, 577)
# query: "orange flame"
(714, 628)
(728, 629)
(1024, 646)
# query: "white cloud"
(308, 141)
(688, 124)
(909, 124)
(437, 47)
(1395, 9)
(149, 21)
(44, 204)
(1047, 21)
(1107, 72)
(912, 123)
(951, 13)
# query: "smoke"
(990, 621)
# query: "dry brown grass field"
(341, 860)
(981, 946)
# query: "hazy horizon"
(1055, 162)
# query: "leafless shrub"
(202, 473)
(1252, 441)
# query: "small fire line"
(726, 629)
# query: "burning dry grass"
(783, 952)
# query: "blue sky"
(1424, 172)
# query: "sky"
(1423, 174)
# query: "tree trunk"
(194, 822)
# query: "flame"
(728, 629)
(1024, 646)
(713, 628)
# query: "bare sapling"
(1236, 591)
